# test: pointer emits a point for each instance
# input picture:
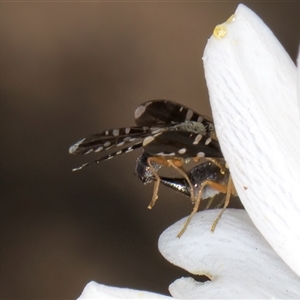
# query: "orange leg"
(185, 176)
(218, 163)
(175, 163)
(222, 189)
(230, 190)
(219, 187)
(156, 183)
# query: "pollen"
(220, 30)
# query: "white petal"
(298, 65)
(252, 85)
(240, 263)
(94, 290)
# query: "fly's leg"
(185, 176)
(229, 191)
(175, 163)
(156, 183)
(219, 187)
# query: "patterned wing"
(163, 127)
(124, 140)
(183, 144)
(163, 113)
(110, 139)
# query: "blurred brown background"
(73, 69)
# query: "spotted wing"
(110, 139)
(165, 113)
(110, 156)
(182, 144)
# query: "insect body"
(206, 180)
(206, 170)
(170, 135)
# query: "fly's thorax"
(189, 126)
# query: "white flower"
(252, 85)
(236, 257)
(93, 290)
